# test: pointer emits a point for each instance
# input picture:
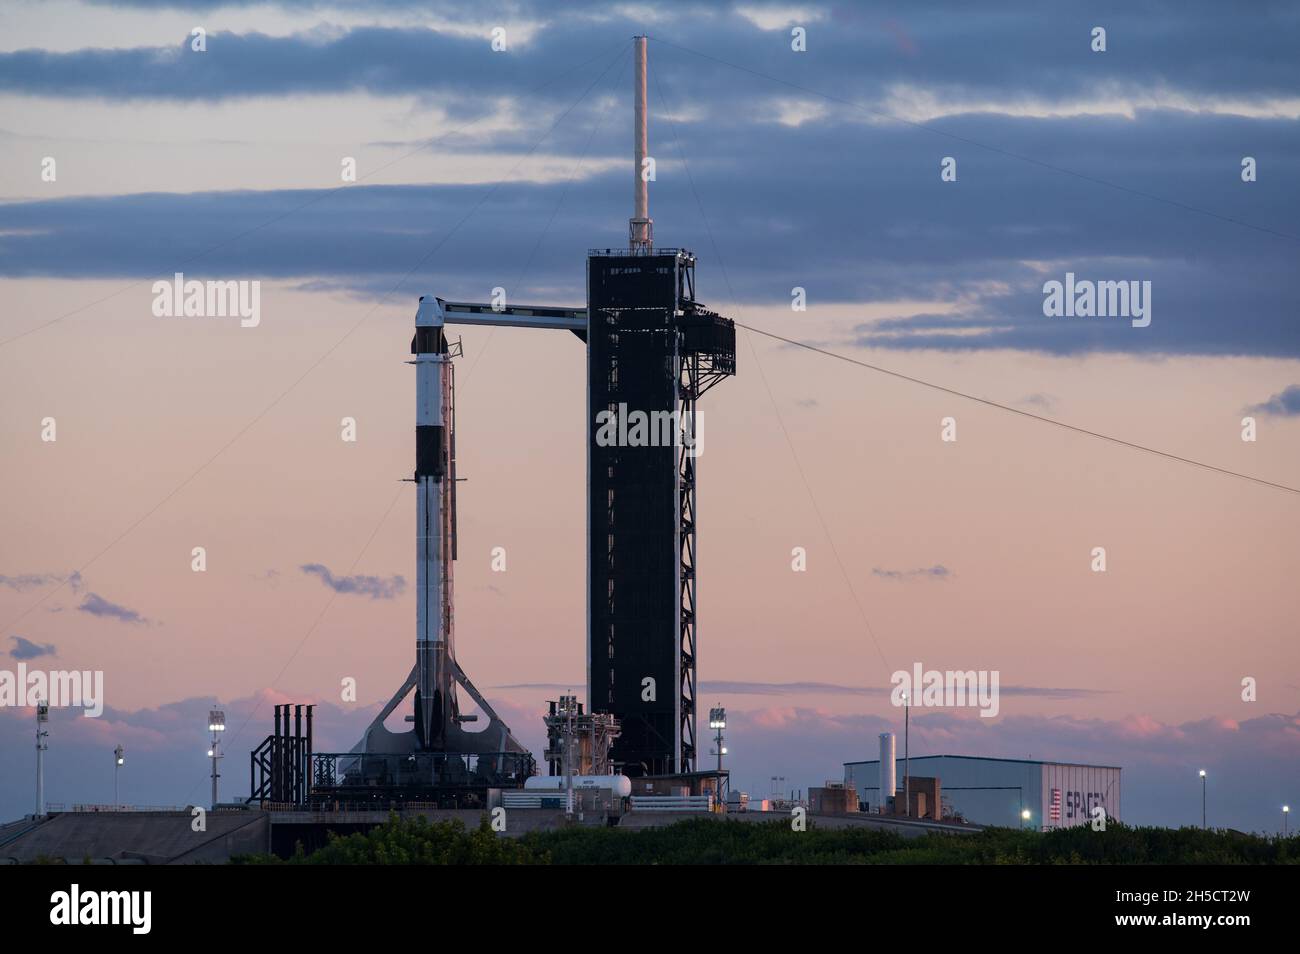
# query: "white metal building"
(988, 791)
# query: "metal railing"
(639, 252)
(93, 807)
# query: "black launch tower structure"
(651, 348)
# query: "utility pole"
(1203, 825)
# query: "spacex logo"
(76, 907)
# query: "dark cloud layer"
(1198, 47)
(845, 204)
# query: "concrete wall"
(152, 837)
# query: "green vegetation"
(712, 841)
(414, 841)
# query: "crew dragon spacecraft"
(650, 348)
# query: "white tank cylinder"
(888, 769)
(620, 785)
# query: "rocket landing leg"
(497, 737)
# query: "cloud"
(96, 605)
(27, 581)
(1038, 399)
(26, 649)
(375, 587)
(1285, 403)
(938, 572)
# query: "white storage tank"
(888, 771)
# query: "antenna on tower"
(640, 227)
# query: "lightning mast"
(640, 226)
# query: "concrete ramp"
(139, 837)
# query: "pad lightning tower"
(640, 230)
(651, 349)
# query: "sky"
(127, 156)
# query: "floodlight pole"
(215, 774)
(216, 725)
(42, 733)
(1203, 825)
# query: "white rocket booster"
(436, 675)
(435, 480)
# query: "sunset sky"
(816, 169)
